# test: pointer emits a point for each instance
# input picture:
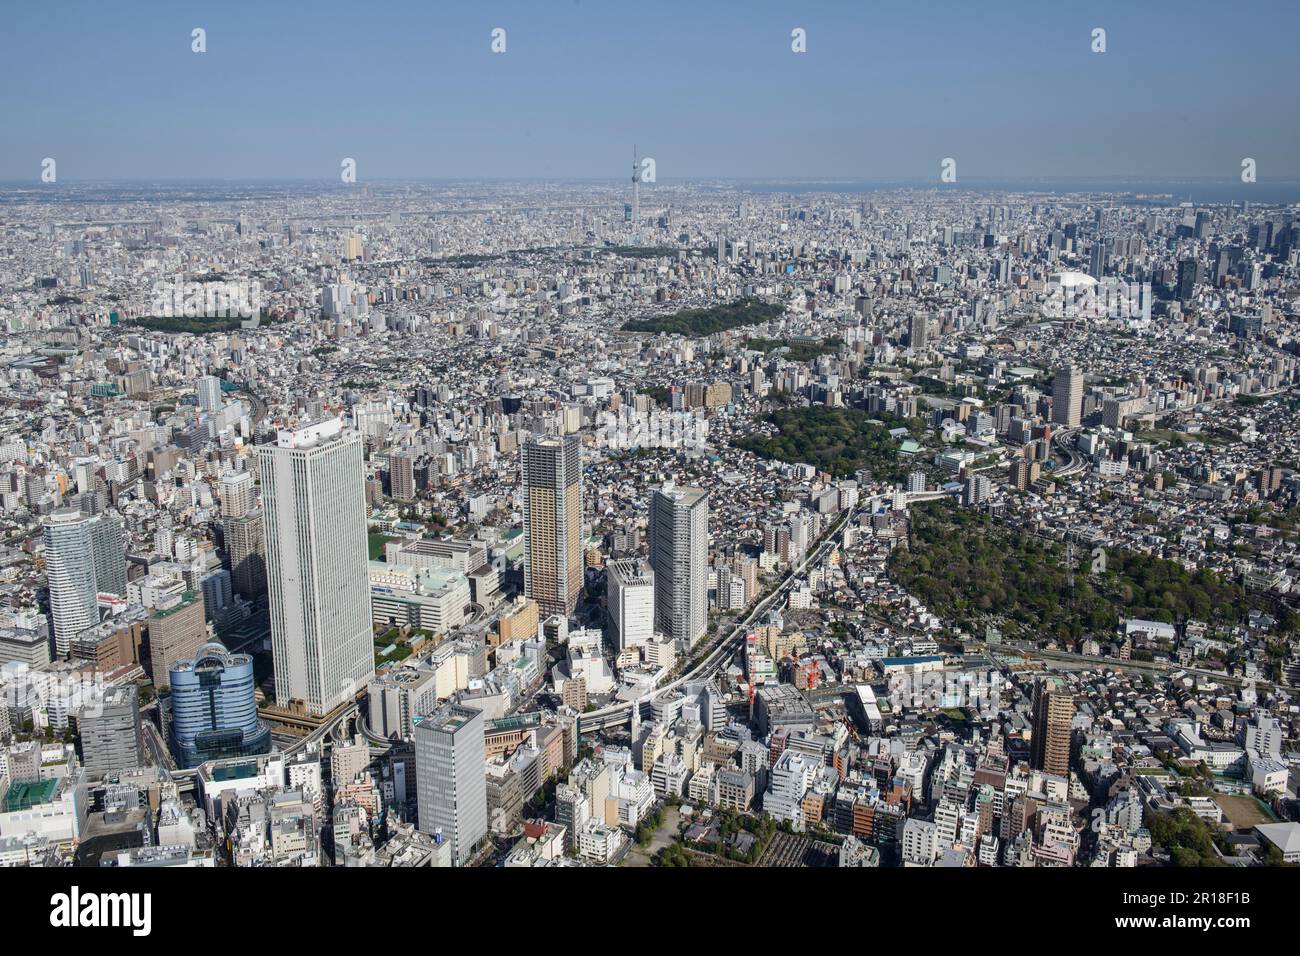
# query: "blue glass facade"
(213, 710)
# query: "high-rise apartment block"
(1024, 473)
(552, 485)
(918, 331)
(246, 550)
(1067, 397)
(679, 555)
(236, 494)
(401, 476)
(209, 393)
(85, 556)
(1053, 714)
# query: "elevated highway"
(724, 648)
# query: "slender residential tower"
(317, 560)
(241, 520)
(679, 555)
(1067, 397)
(1053, 715)
(552, 478)
(85, 556)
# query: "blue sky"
(709, 89)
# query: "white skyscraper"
(236, 494)
(1067, 397)
(630, 601)
(71, 575)
(679, 555)
(313, 500)
(209, 389)
(85, 556)
(450, 779)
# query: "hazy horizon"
(414, 92)
(1201, 190)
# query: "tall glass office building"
(318, 570)
(451, 787)
(214, 713)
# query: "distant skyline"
(1200, 190)
(710, 91)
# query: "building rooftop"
(186, 599)
(25, 794)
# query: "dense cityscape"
(828, 444)
(640, 524)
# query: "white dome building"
(1079, 281)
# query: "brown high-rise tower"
(552, 473)
(246, 546)
(1053, 713)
